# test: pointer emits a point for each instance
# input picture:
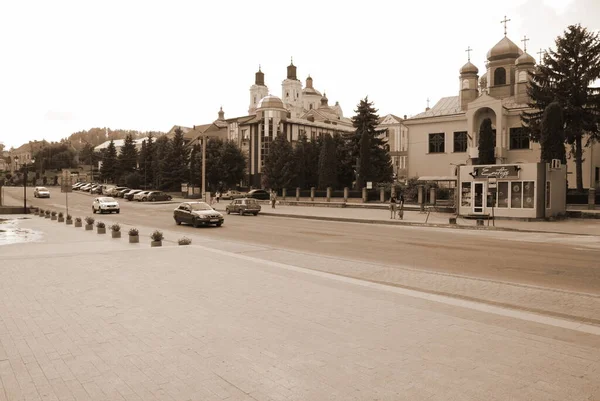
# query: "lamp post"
(457, 195)
(204, 167)
(25, 168)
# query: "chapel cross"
(469, 50)
(504, 22)
(427, 102)
(540, 54)
(525, 40)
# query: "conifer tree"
(552, 139)
(148, 161)
(566, 76)
(327, 163)
(127, 159)
(486, 143)
(345, 171)
(279, 170)
(109, 166)
(176, 166)
(162, 148)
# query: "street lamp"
(25, 168)
(457, 190)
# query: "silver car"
(105, 204)
(41, 192)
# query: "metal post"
(25, 190)
(204, 167)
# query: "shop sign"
(496, 172)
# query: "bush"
(89, 220)
(53, 213)
(42, 211)
(184, 241)
(157, 235)
(69, 217)
(47, 212)
(78, 219)
(60, 214)
(134, 231)
(115, 227)
(100, 224)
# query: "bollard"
(592, 198)
(364, 195)
(421, 190)
(381, 195)
(432, 196)
(283, 193)
(312, 194)
(346, 191)
(328, 194)
(297, 194)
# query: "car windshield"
(42, 189)
(200, 206)
(250, 201)
(106, 199)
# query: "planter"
(452, 220)
(101, 230)
(134, 239)
(54, 218)
(77, 224)
(69, 222)
(155, 243)
(61, 219)
(89, 227)
(47, 216)
(116, 234)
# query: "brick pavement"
(86, 317)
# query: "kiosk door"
(478, 197)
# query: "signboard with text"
(496, 172)
(66, 184)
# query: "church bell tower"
(257, 91)
(291, 91)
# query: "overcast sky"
(67, 66)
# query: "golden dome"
(469, 68)
(270, 102)
(504, 49)
(525, 58)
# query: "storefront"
(530, 190)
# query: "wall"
(558, 192)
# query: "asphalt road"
(545, 260)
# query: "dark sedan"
(258, 194)
(197, 214)
(158, 196)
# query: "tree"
(133, 180)
(486, 143)
(300, 160)
(327, 163)
(345, 171)
(196, 165)
(279, 170)
(146, 161)
(566, 76)
(108, 170)
(127, 159)
(235, 163)
(162, 148)
(176, 164)
(552, 139)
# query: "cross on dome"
(504, 22)
(525, 40)
(540, 54)
(469, 50)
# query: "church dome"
(270, 102)
(504, 49)
(469, 68)
(525, 58)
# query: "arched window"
(465, 84)
(500, 76)
(523, 76)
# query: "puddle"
(11, 233)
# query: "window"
(503, 194)
(460, 141)
(519, 139)
(436, 143)
(500, 76)
(465, 194)
(465, 84)
(528, 194)
(245, 135)
(523, 76)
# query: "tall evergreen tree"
(176, 164)
(108, 170)
(552, 139)
(235, 162)
(127, 159)
(196, 165)
(312, 162)
(147, 161)
(345, 171)
(162, 147)
(279, 170)
(566, 76)
(327, 163)
(300, 159)
(486, 143)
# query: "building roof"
(446, 106)
(525, 58)
(270, 102)
(469, 68)
(505, 48)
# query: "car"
(85, 187)
(121, 193)
(243, 206)
(78, 185)
(105, 204)
(98, 189)
(197, 214)
(258, 194)
(41, 192)
(115, 190)
(129, 195)
(233, 194)
(158, 196)
(107, 190)
(141, 196)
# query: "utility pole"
(204, 167)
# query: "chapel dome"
(270, 102)
(469, 68)
(504, 49)
(525, 58)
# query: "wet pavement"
(11, 233)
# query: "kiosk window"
(528, 194)
(503, 194)
(548, 195)
(466, 194)
(516, 189)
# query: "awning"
(436, 178)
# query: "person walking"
(400, 207)
(393, 206)
(273, 199)
(218, 195)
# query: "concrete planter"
(69, 222)
(89, 227)
(61, 219)
(155, 243)
(101, 230)
(47, 216)
(452, 220)
(116, 234)
(77, 224)
(134, 239)
(54, 218)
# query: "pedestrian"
(273, 199)
(400, 202)
(218, 195)
(393, 206)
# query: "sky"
(144, 65)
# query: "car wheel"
(144, 199)
(256, 214)
(93, 210)
(219, 224)
(169, 198)
(228, 211)
(152, 199)
(195, 223)
(177, 222)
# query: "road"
(552, 261)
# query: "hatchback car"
(158, 196)
(129, 195)
(141, 196)
(105, 204)
(259, 194)
(243, 206)
(41, 192)
(197, 214)
(232, 194)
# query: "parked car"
(87, 187)
(129, 195)
(107, 190)
(141, 196)
(258, 194)
(197, 214)
(121, 193)
(105, 204)
(158, 196)
(233, 194)
(116, 190)
(98, 189)
(78, 185)
(243, 206)
(41, 192)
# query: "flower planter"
(452, 220)
(69, 222)
(89, 227)
(134, 239)
(77, 224)
(154, 244)
(54, 218)
(101, 230)
(116, 234)
(47, 216)
(61, 219)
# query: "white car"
(41, 192)
(105, 204)
(141, 196)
